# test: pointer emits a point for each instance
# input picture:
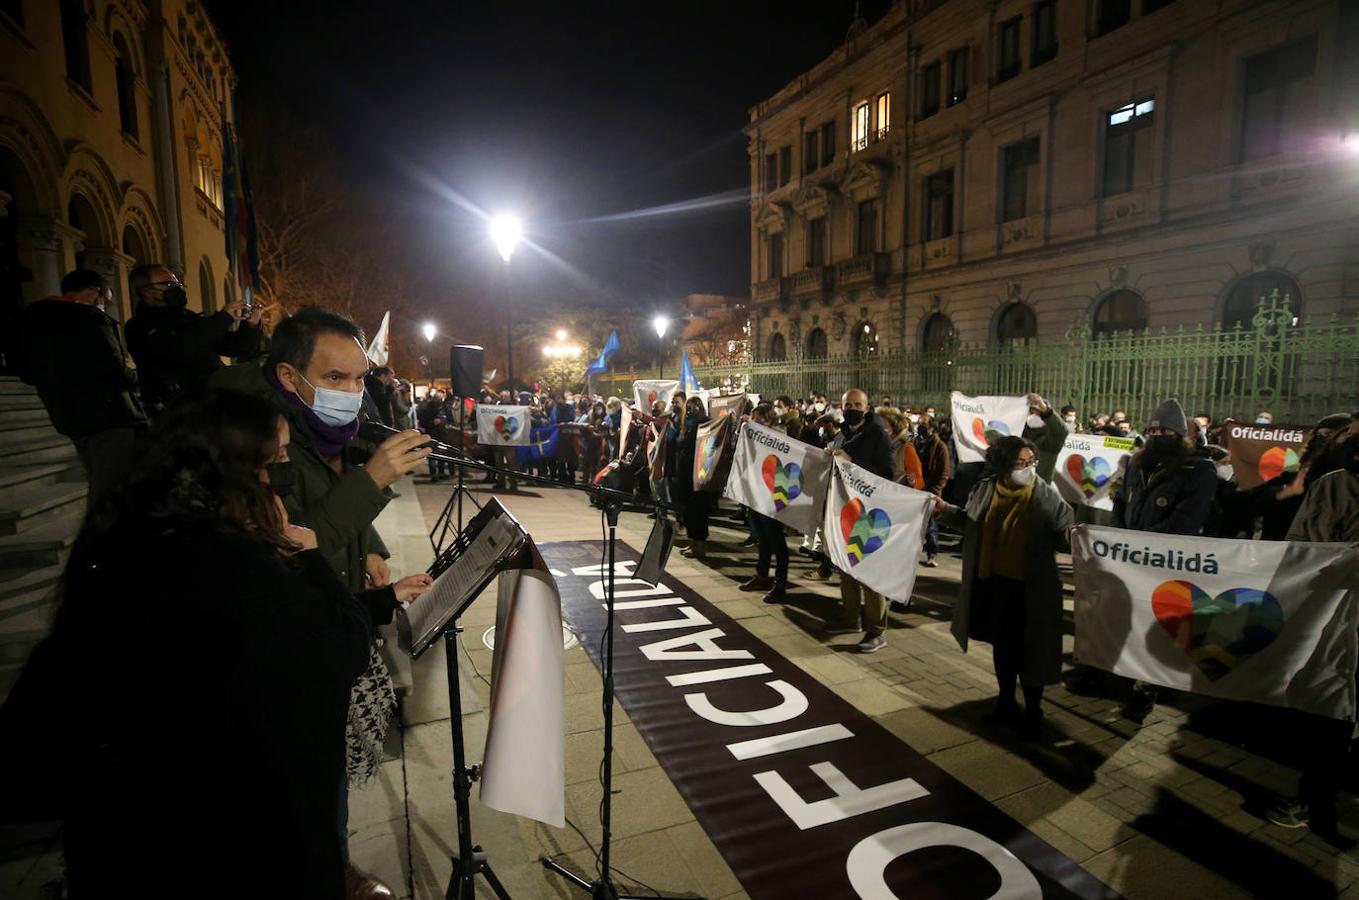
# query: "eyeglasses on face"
(1025, 464)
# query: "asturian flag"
(977, 421)
(1266, 621)
(873, 528)
(377, 350)
(688, 380)
(241, 245)
(1089, 468)
(779, 477)
(502, 426)
(542, 444)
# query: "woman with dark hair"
(697, 505)
(1011, 593)
(769, 534)
(191, 701)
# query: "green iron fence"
(1298, 370)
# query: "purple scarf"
(328, 439)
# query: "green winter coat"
(1049, 519)
(340, 508)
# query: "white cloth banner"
(873, 529)
(979, 420)
(377, 349)
(504, 426)
(646, 393)
(1266, 621)
(779, 477)
(524, 767)
(1089, 468)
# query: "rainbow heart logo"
(986, 432)
(1277, 460)
(707, 457)
(783, 481)
(1089, 474)
(1219, 633)
(864, 530)
(506, 426)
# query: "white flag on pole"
(779, 477)
(524, 768)
(503, 426)
(1266, 621)
(377, 349)
(1089, 468)
(977, 421)
(874, 528)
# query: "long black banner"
(803, 795)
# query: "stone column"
(44, 244)
(114, 266)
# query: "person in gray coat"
(1011, 593)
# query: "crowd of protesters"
(247, 490)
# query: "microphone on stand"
(376, 433)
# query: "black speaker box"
(465, 362)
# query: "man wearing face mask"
(1167, 489)
(864, 442)
(71, 352)
(314, 376)
(177, 350)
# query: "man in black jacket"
(72, 354)
(864, 442)
(177, 350)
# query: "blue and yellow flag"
(542, 444)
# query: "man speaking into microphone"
(313, 376)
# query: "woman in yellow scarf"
(1011, 593)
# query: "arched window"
(227, 293)
(865, 339)
(80, 215)
(126, 74)
(205, 286)
(1016, 324)
(75, 41)
(1119, 311)
(817, 346)
(938, 333)
(778, 347)
(1244, 299)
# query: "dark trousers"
(107, 457)
(932, 538)
(769, 533)
(998, 617)
(697, 509)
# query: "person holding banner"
(864, 442)
(697, 504)
(1013, 525)
(768, 532)
(936, 468)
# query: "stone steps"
(28, 432)
(10, 384)
(34, 506)
(20, 478)
(45, 545)
(41, 451)
(22, 416)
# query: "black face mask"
(281, 478)
(853, 417)
(175, 298)
(1349, 453)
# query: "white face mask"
(1023, 477)
(337, 408)
(1225, 473)
(819, 406)
(1034, 421)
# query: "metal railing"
(1298, 371)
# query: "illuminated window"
(208, 180)
(884, 116)
(862, 114)
(1127, 147)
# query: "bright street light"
(505, 233)
(430, 331)
(561, 334)
(661, 324)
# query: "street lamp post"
(505, 233)
(661, 324)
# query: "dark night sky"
(563, 113)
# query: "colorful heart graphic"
(1089, 474)
(1277, 460)
(864, 530)
(783, 481)
(1219, 633)
(707, 457)
(650, 398)
(506, 426)
(986, 432)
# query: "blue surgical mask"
(1262, 421)
(337, 408)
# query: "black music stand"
(509, 542)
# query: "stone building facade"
(990, 171)
(111, 142)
